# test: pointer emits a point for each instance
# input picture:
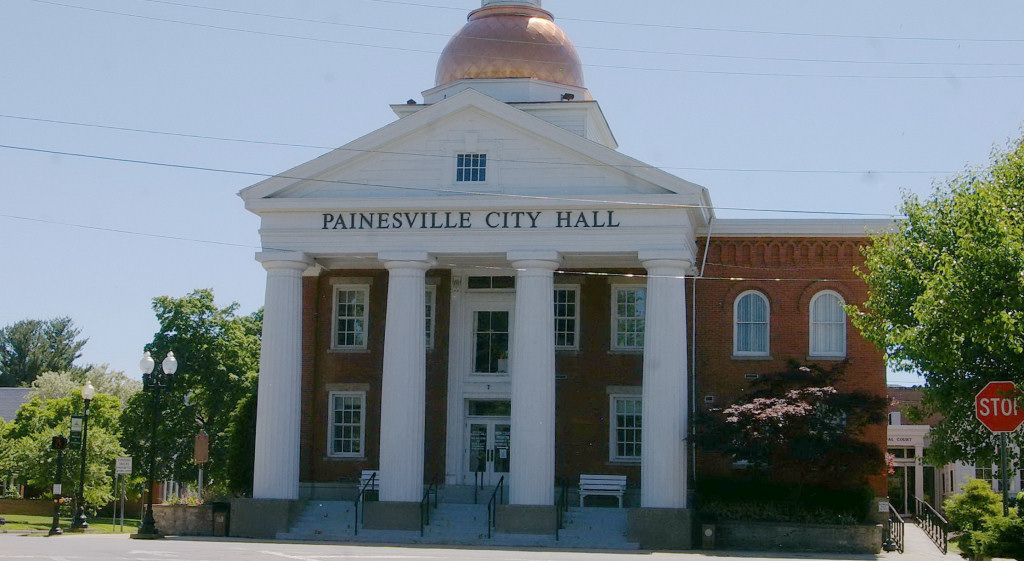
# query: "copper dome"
(510, 41)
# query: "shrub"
(758, 498)
(1000, 536)
(976, 502)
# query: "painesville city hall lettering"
(465, 220)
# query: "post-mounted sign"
(998, 407)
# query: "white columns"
(278, 411)
(663, 465)
(532, 466)
(403, 392)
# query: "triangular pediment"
(415, 156)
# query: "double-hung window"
(471, 167)
(348, 424)
(629, 305)
(750, 324)
(566, 317)
(828, 325)
(626, 427)
(351, 312)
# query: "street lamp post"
(154, 382)
(80, 522)
(58, 443)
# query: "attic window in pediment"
(471, 168)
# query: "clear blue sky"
(809, 105)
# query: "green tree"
(50, 385)
(39, 420)
(31, 347)
(218, 359)
(947, 296)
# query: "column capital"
(406, 260)
(535, 259)
(666, 256)
(296, 260)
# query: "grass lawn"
(23, 522)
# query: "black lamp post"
(58, 443)
(154, 382)
(80, 523)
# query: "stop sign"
(998, 407)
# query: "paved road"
(113, 547)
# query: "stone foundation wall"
(182, 520)
(762, 536)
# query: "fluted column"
(532, 465)
(279, 407)
(403, 393)
(663, 464)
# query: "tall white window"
(629, 306)
(471, 167)
(626, 427)
(828, 325)
(429, 315)
(566, 317)
(750, 324)
(348, 424)
(351, 309)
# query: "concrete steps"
(464, 525)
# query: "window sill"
(635, 462)
(342, 351)
(639, 351)
(330, 458)
(752, 357)
(826, 358)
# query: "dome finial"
(531, 3)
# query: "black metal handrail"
(497, 497)
(425, 506)
(359, 501)
(563, 506)
(478, 480)
(893, 531)
(933, 524)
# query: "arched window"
(828, 325)
(750, 324)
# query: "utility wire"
(448, 157)
(728, 30)
(362, 257)
(446, 191)
(590, 47)
(613, 67)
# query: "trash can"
(707, 536)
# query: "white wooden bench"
(365, 477)
(606, 485)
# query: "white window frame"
(828, 353)
(486, 168)
(613, 427)
(430, 315)
(332, 426)
(338, 289)
(575, 289)
(616, 289)
(736, 351)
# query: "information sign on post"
(123, 465)
(75, 441)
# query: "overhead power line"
(591, 47)
(731, 30)
(613, 67)
(449, 157)
(445, 191)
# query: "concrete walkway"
(919, 547)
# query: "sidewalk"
(919, 547)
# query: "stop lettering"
(998, 407)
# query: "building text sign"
(469, 220)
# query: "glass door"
(489, 449)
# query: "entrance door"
(489, 450)
(902, 484)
